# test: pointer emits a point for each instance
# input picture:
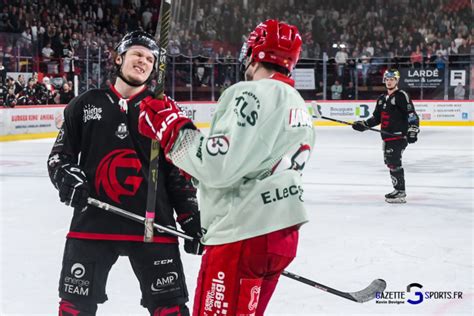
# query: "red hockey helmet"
(274, 42)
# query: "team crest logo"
(246, 109)
(122, 131)
(114, 176)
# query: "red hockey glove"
(162, 120)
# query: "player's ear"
(118, 60)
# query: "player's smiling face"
(138, 64)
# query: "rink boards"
(30, 122)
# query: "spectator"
(47, 52)
(365, 65)
(349, 92)
(153, 84)
(336, 90)
(49, 92)
(459, 92)
(11, 100)
(440, 61)
(3, 94)
(341, 60)
(66, 94)
(3, 73)
(416, 57)
(453, 49)
(28, 95)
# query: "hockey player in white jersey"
(248, 173)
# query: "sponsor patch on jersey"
(77, 278)
(59, 139)
(92, 113)
(246, 108)
(217, 145)
(121, 131)
(165, 283)
(299, 118)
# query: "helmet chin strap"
(244, 68)
(133, 84)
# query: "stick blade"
(314, 110)
(367, 294)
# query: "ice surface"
(353, 237)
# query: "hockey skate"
(396, 196)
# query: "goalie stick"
(361, 296)
(163, 29)
(317, 114)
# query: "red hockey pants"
(239, 278)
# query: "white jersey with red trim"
(248, 169)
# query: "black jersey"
(394, 113)
(100, 133)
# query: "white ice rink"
(353, 237)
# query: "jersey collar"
(112, 87)
(278, 76)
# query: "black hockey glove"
(360, 126)
(412, 134)
(72, 184)
(194, 247)
(191, 224)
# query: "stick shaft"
(135, 217)
(163, 28)
(370, 128)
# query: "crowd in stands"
(34, 91)
(58, 36)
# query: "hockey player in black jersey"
(396, 114)
(99, 153)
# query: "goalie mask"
(142, 39)
(391, 73)
(273, 42)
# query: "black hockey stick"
(361, 296)
(163, 29)
(317, 114)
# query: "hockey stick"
(135, 217)
(361, 296)
(163, 29)
(317, 114)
